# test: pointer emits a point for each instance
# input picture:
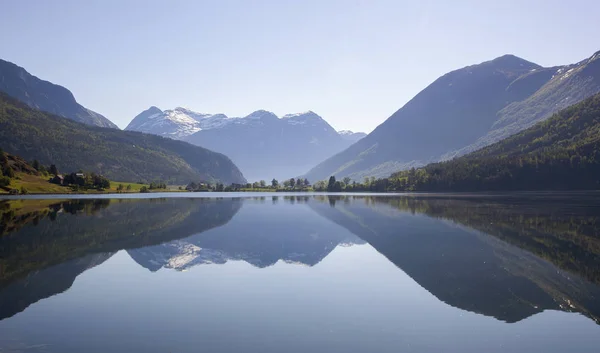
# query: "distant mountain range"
(462, 111)
(46, 96)
(261, 144)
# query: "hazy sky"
(352, 62)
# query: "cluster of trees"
(6, 172)
(157, 185)
(292, 184)
(86, 181)
(122, 187)
(348, 185)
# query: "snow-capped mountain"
(262, 144)
(176, 123)
(351, 136)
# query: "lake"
(300, 273)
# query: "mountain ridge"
(488, 101)
(46, 96)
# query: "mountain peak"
(143, 117)
(261, 115)
(303, 115)
(153, 110)
(513, 61)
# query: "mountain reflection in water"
(508, 257)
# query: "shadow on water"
(508, 258)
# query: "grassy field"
(36, 184)
(40, 185)
(136, 187)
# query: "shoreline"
(547, 194)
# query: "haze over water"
(324, 273)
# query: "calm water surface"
(301, 273)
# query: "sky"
(352, 62)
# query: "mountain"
(119, 155)
(464, 110)
(177, 123)
(560, 153)
(261, 144)
(43, 95)
(565, 86)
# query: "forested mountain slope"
(562, 152)
(119, 155)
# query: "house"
(79, 175)
(58, 179)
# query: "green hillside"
(119, 155)
(560, 153)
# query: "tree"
(24, 191)
(274, 183)
(53, 169)
(3, 157)
(144, 189)
(128, 188)
(263, 184)
(292, 182)
(255, 185)
(306, 182)
(9, 172)
(346, 180)
(331, 183)
(337, 186)
(4, 181)
(299, 183)
(120, 187)
(35, 164)
(286, 184)
(320, 185)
